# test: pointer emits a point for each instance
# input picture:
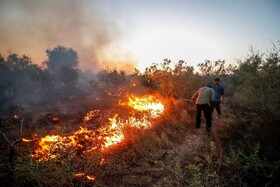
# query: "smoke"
(30, 27)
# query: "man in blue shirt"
(219, 96)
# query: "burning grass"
(89, 140)
(163, 151)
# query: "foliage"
(27, 87)
(19, 78)
(233, 169)
(259, 89)
(62, 64)
(176, 80)
(112, 78)
(252, 95)
(32, 172)
(61, 56)
(215, 68)
(258, 99)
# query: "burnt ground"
(155, 159)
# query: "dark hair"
(217, 79)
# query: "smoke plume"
(30, 27)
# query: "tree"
(62, 64)
(169, 79)
(19, 83)
(215, 68)
(259, 87)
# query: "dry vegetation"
(241, 151)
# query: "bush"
(258, 98)
(236, 168)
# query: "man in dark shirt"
(219, 96)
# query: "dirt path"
(164, 171)
(193, 141)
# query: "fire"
(102, 161)
(153, 108)
(27, 140)
(55, 146)
(52, 146)
(49, 144)
(90, 115)
(15, 116)
(147, 104)
(55, 118)
(113, 133)
(92, 178)
(79, 174)
(89, 177)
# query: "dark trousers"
(207, 114)
(216, 105)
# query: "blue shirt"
(219, 91)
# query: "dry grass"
(172, 153)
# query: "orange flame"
(27, 140)
(102, 161)
(113, 133)
(55, 118)
(15, 116)
(79, 174)
(90, 115)
(155, 108)
(53, 146)
(92, 178)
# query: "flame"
(143, 123)
(147, 104)
(82, 131)
(55, 118)
(27, 140)
(102, 161)
(15, 116)
(113, 133)
(90, 115)
(55, 146)
(89, 177)
(79, 174)
(92, 178)
(52, 146)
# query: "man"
(219, 97)
(203, 97)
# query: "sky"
(130, 33)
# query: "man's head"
(217, 81)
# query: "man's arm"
(187, 100)
(195, 95)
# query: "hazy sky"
(139, 32)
